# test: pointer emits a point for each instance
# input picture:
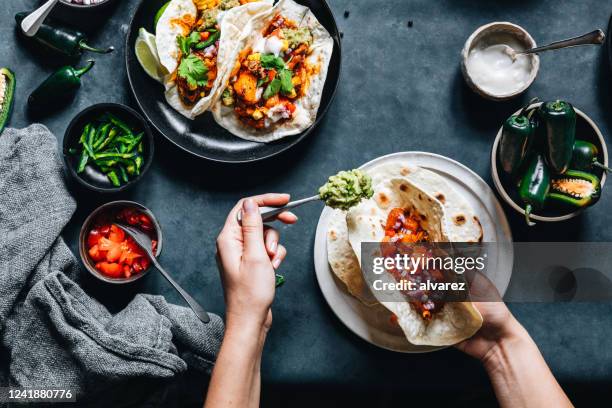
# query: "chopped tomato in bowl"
(108, 252)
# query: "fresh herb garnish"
(272, 89)
(194, 71)
(270, 61)
(185, 43)
(285, 78)
(262, 81)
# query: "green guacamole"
(297, 36)
(346, 189)
(228, 4)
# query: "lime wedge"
(146, 53)
(159, 14)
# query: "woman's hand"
(498, 323)
(516, 368)
(248, 254)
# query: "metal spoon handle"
(193, 304)
(34, 20)
(594, 37)
(269, 213)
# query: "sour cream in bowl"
(488, 67)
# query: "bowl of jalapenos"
(549, 161)
(108, 147)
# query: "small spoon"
(34, 20)
(270, 213)
(144, 242)
(594, 37)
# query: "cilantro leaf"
(285, 79)
(194, 71)
(272, 89)
(270, 61)
(185, 43)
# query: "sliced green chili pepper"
(101, 134)
(210, 41)
(280, 280)
(559, 120)
(585, 157)
(575, 188)
(112, 176)
(61, 40)
(58, 87)
(6, 98)
(534, 186)
(82, 161)
(120, 124)
(111, 135)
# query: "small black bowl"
(92, 178)
(89, 223)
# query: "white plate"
(371, 324)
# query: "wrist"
(513, 339)
(250, 326)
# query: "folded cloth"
(52, 333)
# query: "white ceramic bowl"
(486, 30)
(594, 137)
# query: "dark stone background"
(401, 89)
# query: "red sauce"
(115, 254)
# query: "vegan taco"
(196, 40)
(275, 85)
(410, 205)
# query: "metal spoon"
(270, 213)
(595, 37)
(144, 242)
(34, 20)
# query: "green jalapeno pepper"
(575, 188)
(534, 186)
(515, 142)
(584, 157)
(62, 40)
(58, 87)
(559, 120)
(7, 78)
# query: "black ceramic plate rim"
(86, 6)
(102, 106)
(298, 138)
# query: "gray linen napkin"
(52, 333)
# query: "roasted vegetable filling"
(271, 75)
(404, 227)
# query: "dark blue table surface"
(401, 89)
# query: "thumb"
(252, 230)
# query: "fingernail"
(276, 263)
(249, 206)
(273, 246)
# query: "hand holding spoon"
(594, 37)
(344, 190)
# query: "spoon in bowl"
(144, 242)
(593, 38)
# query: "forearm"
(520, 376)
(235, 380)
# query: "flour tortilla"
(395, 185)
(307, 105)
(232, 23)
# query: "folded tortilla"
(307, 105)
(399, 185)
(233, 24)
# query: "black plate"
(211, 141)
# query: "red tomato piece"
(116, 234)
(93, 237)
(96, 254)
(113, 270)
